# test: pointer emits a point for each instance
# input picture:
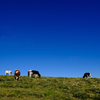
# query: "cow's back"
(17, 72)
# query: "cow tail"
(28, 73)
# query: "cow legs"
(90, 75)
(30, 75)
(6, 74)
(36, 75)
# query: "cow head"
(17, 78)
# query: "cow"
(33, 72)
(17, 75)
(87, 75)
(8, 72)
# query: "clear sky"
(58, 38)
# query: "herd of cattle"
(17, 74)
(35, 73)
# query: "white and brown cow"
(87, 75)
(17, 75)
(8, 72)
(33, 72)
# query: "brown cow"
(17, 75)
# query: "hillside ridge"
(49, 88)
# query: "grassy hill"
(49, 88)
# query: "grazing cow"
(87, 75)
(8, 72)
(17, 75)
(33, 72)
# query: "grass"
(49, 88)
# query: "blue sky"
(58, 38)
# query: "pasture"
(49, 88)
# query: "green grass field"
(49, 88)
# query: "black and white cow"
(87, 75)
(33, 72)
